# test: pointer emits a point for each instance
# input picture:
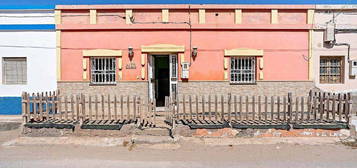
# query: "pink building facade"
(164, 50)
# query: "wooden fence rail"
(318, 106)
(50, 105)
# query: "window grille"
(331, 70)
(15, 71)
(242, 70)
(103, 70)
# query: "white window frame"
(4, 80)
(242, 71)
(104, 74)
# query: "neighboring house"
(335, 27)
(27, 55)
(145, 49)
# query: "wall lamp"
(194, 51)
(130, 51)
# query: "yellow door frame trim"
(159, 48)
(102, 53)
(243, 52)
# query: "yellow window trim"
(168, 48)
(102, 53)
(243, 52)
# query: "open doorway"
(162, 78)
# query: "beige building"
(335, 30)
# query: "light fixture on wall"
(130, 51)
(194, 51)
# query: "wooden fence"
(47, 106)
(318, 107)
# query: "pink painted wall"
(110, 16)
(216, 16)
(284, 47)
(292, 17)
(283, 60)
(75, 17)
(256, 16)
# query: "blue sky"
(31, 4)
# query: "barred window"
(242, 70)
(103, 70)
(331, 69)
(14, 71)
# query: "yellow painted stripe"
(58, 54)
(225, 75)
(120, 63)
(143, 58)
(261, 75)
(310, 16)
(311, 58)
(58, 19)
(261, 63)
(128, 15)
(202, 16)
(238, 16)
(274, 16)
(93, 16)
(143, 73)
(84, 64)
(226, 63)
(165, 15)
(182, 57)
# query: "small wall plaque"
(131, 65)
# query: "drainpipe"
(348, 49)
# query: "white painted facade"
(26, 17)
(345, 17)
(38, 46)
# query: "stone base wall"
(139, 88)
(267, 88)
(185, 131)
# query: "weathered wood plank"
(72, 107)
(265, 107)
(247, 107)
(216, 107)
(222, 108)
(339, 107)
(96, 108)
(235, 108)
(90, 107)
(272, 108)
(109, 109)
(184, 106)
(203, 108)
(209, 108)
(115, 108)
(253, 107)
(333, 107)
(190, 106)
(259, 108)
(121, 107)
(278, 107)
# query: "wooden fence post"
(24, 107)
(290, 107)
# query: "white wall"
(38, 46)
(26, 17)
(345, 19)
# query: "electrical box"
(185, 70)
(353, 68)
(329, 34)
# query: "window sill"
(255, 83)
(102, 84)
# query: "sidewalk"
(10, 122)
